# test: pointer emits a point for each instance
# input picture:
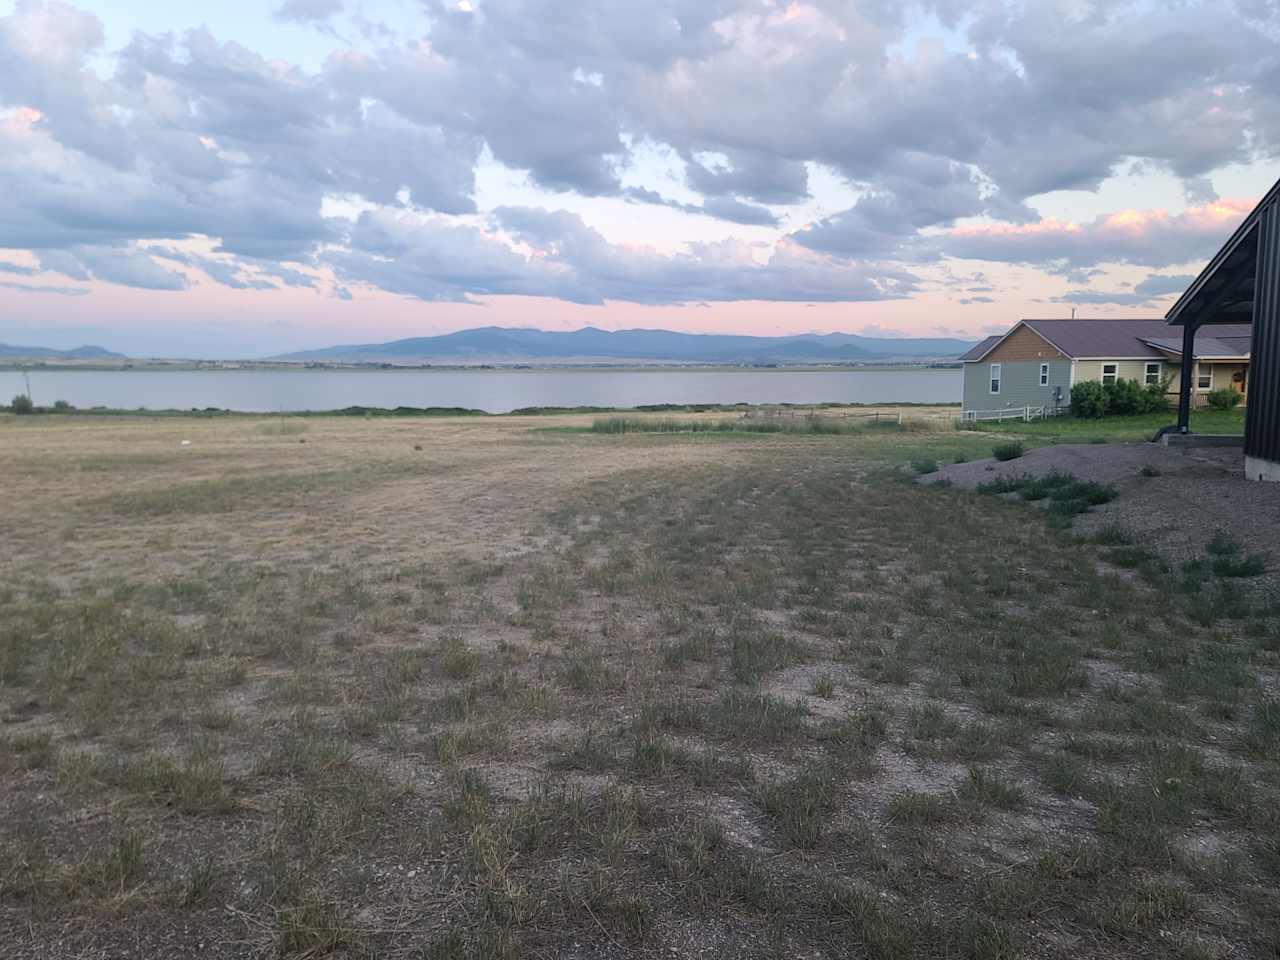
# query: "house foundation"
(1268, 471)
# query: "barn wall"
(1262, 423)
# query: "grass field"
(1117, 429)
(475, 688)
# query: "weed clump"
(924, 465)
(1009, 450)
(1067, 495)
(1229, 560)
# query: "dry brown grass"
(523, 692)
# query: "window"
(995, 378)
(1044, 374)
(1204, 378)
(1109, 372)
(1153, 373)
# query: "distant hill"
(9, 351)
(504, 345)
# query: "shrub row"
(1091, 399)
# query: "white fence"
(907, 415)
(899, 415)
(1027, 413)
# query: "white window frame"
(1204, 370)
(1147, 372)
(1114, 374)
(1044, 374)
(994, 379)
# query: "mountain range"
(9, 351)
(507, 345)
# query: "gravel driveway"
(1197, 493)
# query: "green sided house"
(1037, 363)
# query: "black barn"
(1241, 284)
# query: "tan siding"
(1125, 369)
(1023, 344)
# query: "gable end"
(1024, 344)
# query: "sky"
(244, 178)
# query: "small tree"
(1088, 400)
(1223, 399)
(22, 404)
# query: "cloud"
(1154, 287)
(33, 288)
(1157, 285)
(738, 211)
(728, 209)
(1151, 238)
(308, 11)
(190, 137)
(556, 254)
(127, 266)
(922, 192)
(226, 272)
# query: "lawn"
(473, 688)
(1069, 429)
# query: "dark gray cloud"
(1153, 288)
(308, 11)
(738, 211)
(126, 265)
(35, 288)
(1157, 285)
(434, 260)
(728, 209)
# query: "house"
(1038, 362)
(1243, 281)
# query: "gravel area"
(1199, 492)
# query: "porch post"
(1184, 383)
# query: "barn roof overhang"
(1224, 291)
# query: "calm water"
(496, 391)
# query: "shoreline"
(249, 366)
(817, 409)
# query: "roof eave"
(1175, 312)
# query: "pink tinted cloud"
(1153, 238)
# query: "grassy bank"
(403, 412)
(1134, 429)
(462, 688)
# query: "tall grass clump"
(1009, 450)
(799, 425)
(654, 425)
(281, 428)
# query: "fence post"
(899, 416)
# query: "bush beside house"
(1091, 399)
(1223, 398)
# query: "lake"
(494, 391)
